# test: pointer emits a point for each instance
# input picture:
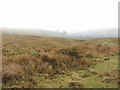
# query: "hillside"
(103, 33)
(33, 32)
(49, 62)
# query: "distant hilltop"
(34, 32)
(104, 33)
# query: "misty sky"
(68, 15)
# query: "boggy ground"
(46, 62)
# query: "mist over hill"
(104, 33)
(33, 32)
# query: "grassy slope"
(20, 44)
(88, 78)
(103, 74)
(107, 41)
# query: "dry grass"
(23, 59)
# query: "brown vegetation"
(22, 60)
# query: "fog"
(71, 16)
(103, 33)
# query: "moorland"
(50, 62)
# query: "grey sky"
(69, 15)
